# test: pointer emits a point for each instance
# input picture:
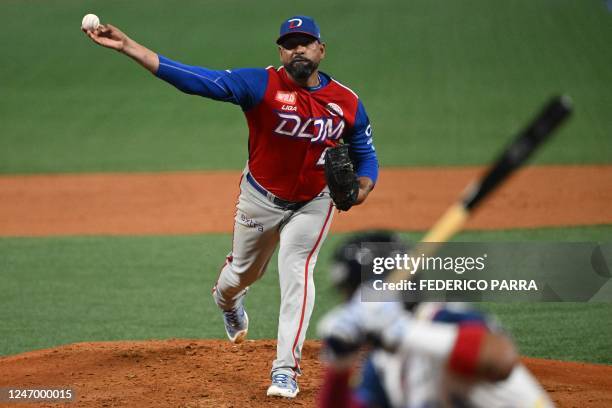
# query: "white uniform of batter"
(414, 380)
(416, 374)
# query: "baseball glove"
(340, 177)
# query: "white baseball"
(90, 22)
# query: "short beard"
(301, 69)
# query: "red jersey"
(289, 126)
(289, 131)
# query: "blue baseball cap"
(299, 25)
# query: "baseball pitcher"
(297, 170)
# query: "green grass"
(444, 82)
(563, 331)
(72, 289)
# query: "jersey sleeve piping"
(346, 87)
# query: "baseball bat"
(513, 156)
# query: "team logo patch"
(289, 98)
(334, 109)
(295, 22)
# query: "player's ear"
(322, 48)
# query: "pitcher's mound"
(215, 373)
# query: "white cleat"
(236, 324)
(283, 385)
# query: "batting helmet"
(352, 259)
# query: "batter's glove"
(340, 177)
(347, 327)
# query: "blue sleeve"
(370, 391)
(361, 146)
(458, 317)
(244, 87)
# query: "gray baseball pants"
(260, 226)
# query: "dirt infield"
(214, 373)
(202, 202)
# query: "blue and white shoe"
(236, 324)
(283, 385)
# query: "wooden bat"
(512, 157)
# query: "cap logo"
(295, 22)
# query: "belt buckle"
(295, 206)
(284, 204)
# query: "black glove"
(340, 176)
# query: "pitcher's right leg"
(255, 238)
(247, 262)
